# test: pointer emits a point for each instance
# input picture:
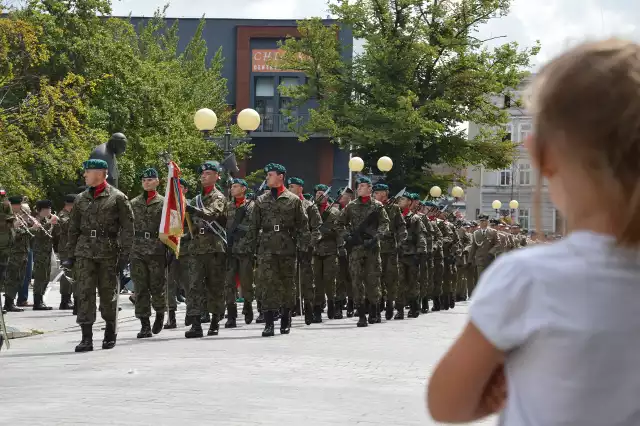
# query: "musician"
(42, 249)
(61, 237)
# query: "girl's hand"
(494, 396)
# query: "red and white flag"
(173, 211)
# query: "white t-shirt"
(568, 317)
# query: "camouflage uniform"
(449, 252)
(364, 261)
(428, 263)
(344, 289)
(389, 251)
(305, 260)
(42, 249)
(462, 264)
(6, 239)
(17, 263)
(148, 256)
(410, 249)
(325, 260)
(61, 238)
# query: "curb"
(14, 333)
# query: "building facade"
(248, 46)
(517, 182)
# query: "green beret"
(70, 198)
(184, 183)
(240, 182)
(307, 196)
(43, 204)
(295, 181)
(320, 187)
(214, 166)
(363, 179)
(95, 164)
(275, 167)
(380, 187)
(413, 196)
(16, 200)
(150, 173)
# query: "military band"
(366, 252)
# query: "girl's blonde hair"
(587, 101)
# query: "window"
(525, 174)
(523, 218)
(507, 101)
(504, 178)
(265, 103)
(265, 87)
(525, 131)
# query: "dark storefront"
(247, 45)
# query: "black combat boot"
(308, 313)
(145, 330)
(247, 309)
(373, 313)
(331, 310)
(171, 321)
(196, 328)
(158, 322)
(379, 313)
(317, 314)
(39, 305)
(338, 309)
(9, 306)
(86, 344)
(214, 327)
(362, 317)
(110, 335)
(187, 321)
(425, 305)
(444, 301)
(232, 314)
(388, 311)
(415, 307)
(268, 324)
(436, 304)
(285, 321)
(65, 302)
(350, 308)
(400, 313)
(205, 318)
(452, 300)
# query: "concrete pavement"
(330, 373)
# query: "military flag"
(173, 211)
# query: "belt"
(95, 233)
(276, 228)
(147, 235)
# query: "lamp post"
(435, 192)
(496, 206)
(513, 205)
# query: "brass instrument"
(23, 223)
(36, 223)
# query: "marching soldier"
(325, 256)
(61, 240)
(100, 238)
(364, 221)
(240, 255)
(409, 251)
(148, 256)
(278, 228)
(344, 289)
(206, 263)
(174, 287)
(42, 249)
(390, 248)
(435, 273)
(6, 237)
(305, 275)
(462, 261)
(450, 243)
(484, 247)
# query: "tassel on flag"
(173, 211)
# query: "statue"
(108, 151)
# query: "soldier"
(6, 237)
(278, 228)
(23, 231)
(174, 288)
(344, 289)
(149, 255)
(364, 221)
(42, 249)
(61, 240)
(462, 261)
(519, 239)
(206, 263)
(240, 254)
(389, 248)
(305, 269)
(484, 246)
(325, 257)
(450, 250)
(435, 262)
(409, 250)
(100, 238)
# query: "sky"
(556, 23)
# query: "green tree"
(421, 74)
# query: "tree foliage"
(70, 76)
(422, 73)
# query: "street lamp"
(513, 205)
(356, 164)
(457, 192)
(496, 206)
(435, 192)
(384, 164)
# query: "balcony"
(280, 123)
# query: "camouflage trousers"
(240, 266)
(304, 273)
(4, 260)
(67, 285)
(14, 275)
(206, 277)
(150, 281)
(92, 274)
(426, 266)
(408, 283)
(344, 288)
(438, 277)
(365, 273)
(174, 283)
(462, 275)
(275, 275)
(449, 276)
(389, 277)
(325, 269)
(41, 271)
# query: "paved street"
(330, 373)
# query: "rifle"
(213, 226)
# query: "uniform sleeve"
(342, 223)
(383, 223)
(315, 221)
(421, 232)
(437, 236)
(74, 230)
(301, 225)
(254, 227)
(401, 228)
(495, 243)
(126, 224)
(502, 306)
